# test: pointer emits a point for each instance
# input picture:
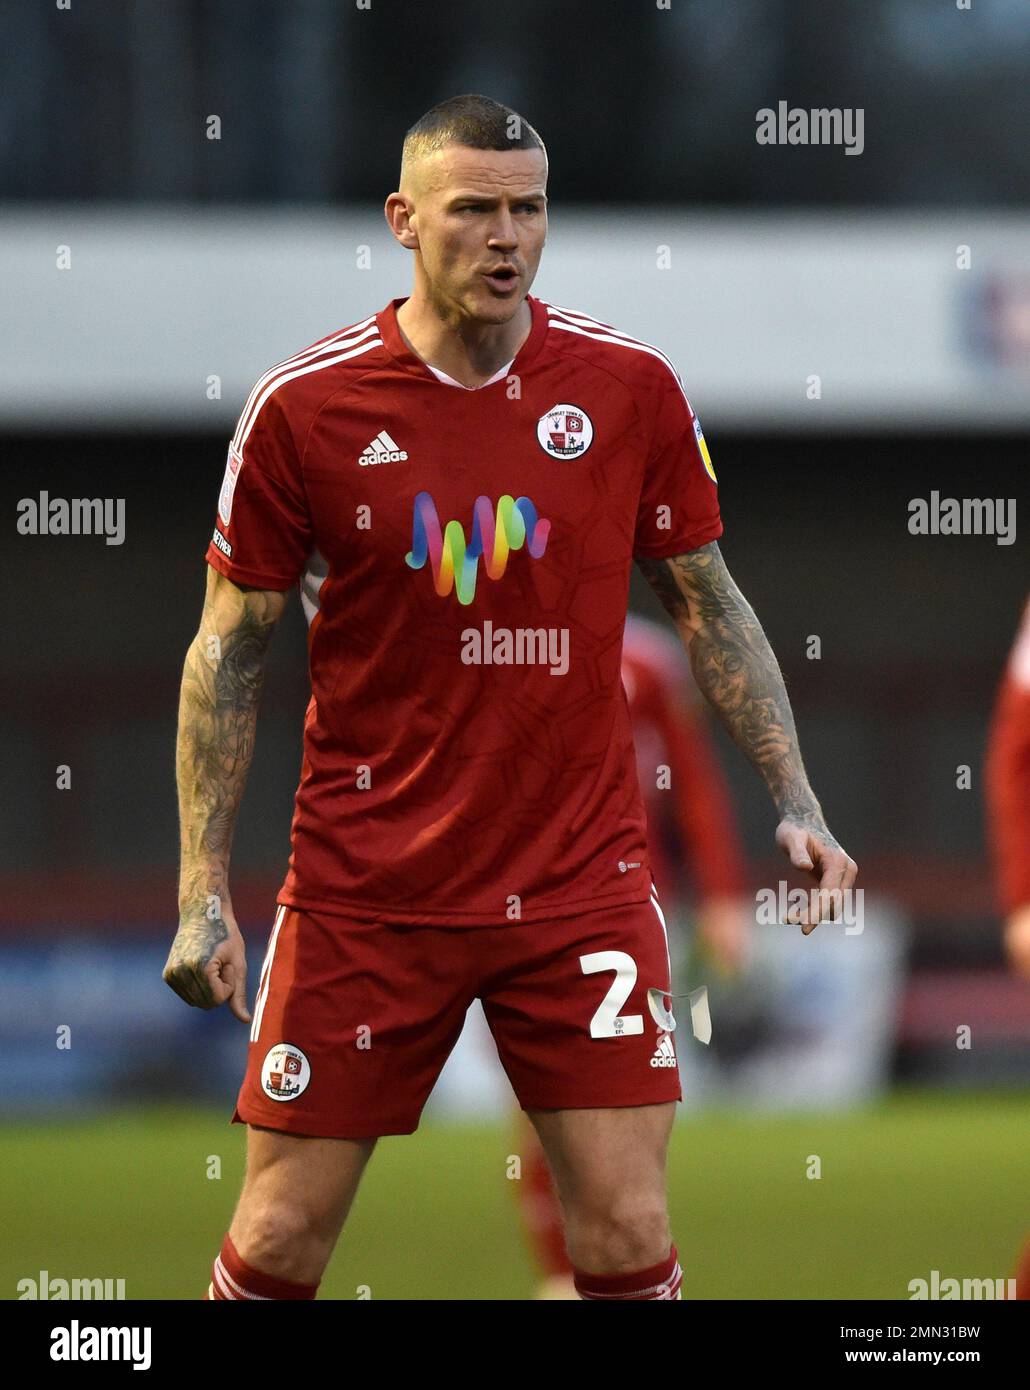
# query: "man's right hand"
(207, 964)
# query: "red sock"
(661, 1281)
(234, 1281)
(1023, 1273)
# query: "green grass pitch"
(920, 1182)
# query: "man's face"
(480, 217)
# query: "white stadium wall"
(163, 319)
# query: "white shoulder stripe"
(622, 342)
(585, 321)
(317, 366)
(577, 316)
(352, 334)
(306, 353)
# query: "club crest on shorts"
(285, 1072)
(565, 432)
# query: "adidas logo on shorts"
(664, 1053)
(382, 450)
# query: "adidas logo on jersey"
(382, 450)
(664, 1053)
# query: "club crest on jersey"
(285, 1072)
(233, 464)
(565, 432)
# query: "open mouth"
(504, 278)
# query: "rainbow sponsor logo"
(496, 532)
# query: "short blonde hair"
(476, 121)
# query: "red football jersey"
(464, 558)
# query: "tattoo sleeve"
(221, 687)
(736, 670)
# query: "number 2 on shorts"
(607, 1022)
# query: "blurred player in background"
(1008, 808)
(692, 835)
(461, 482)
(1008, 802)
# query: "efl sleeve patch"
(233, 464)
(678, 509)
(706, 457)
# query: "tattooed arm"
(221, 686)
(736, 670)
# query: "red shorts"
(354, 1020)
